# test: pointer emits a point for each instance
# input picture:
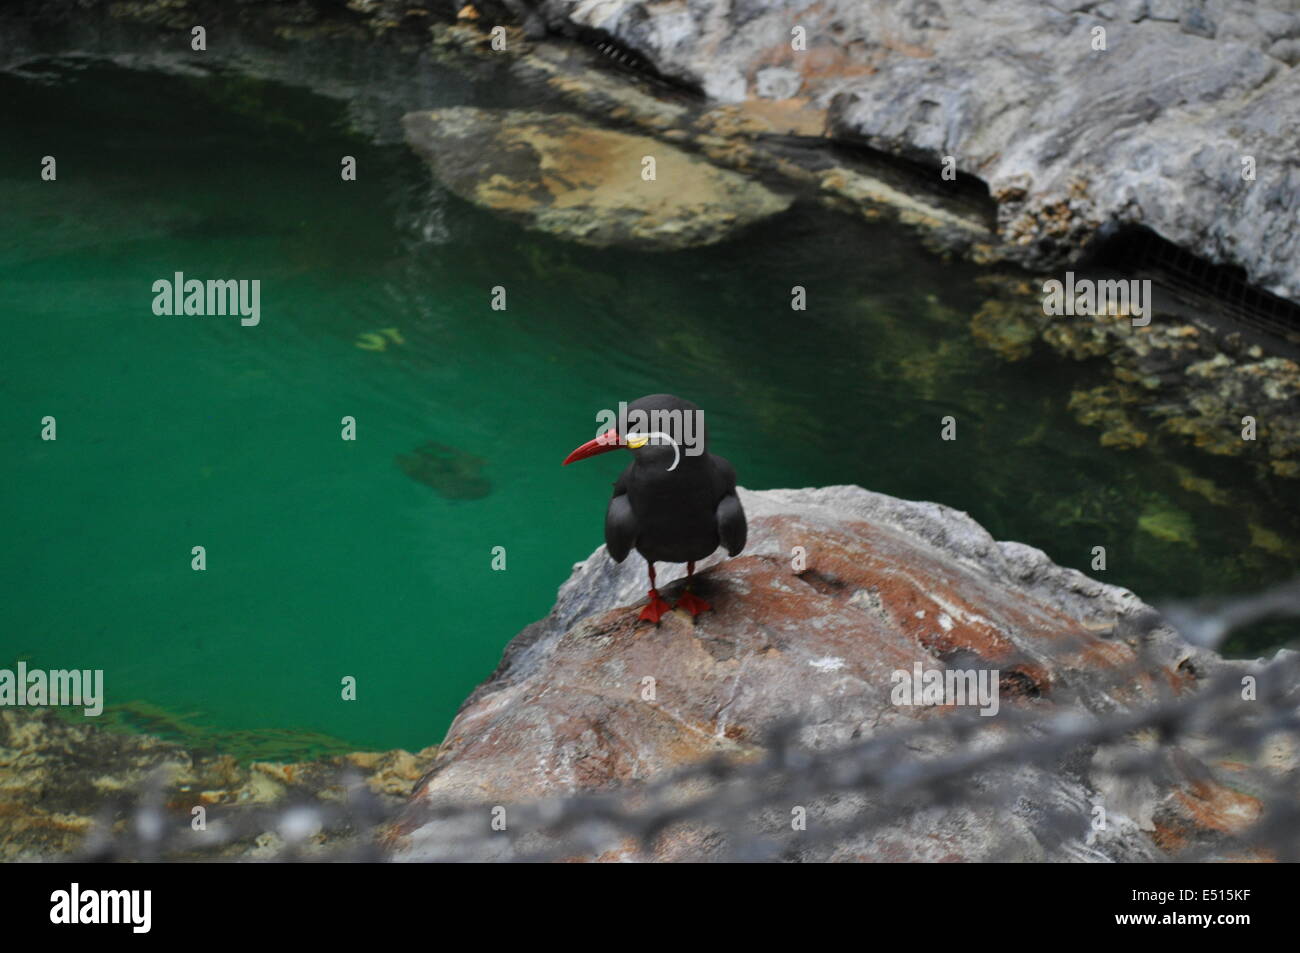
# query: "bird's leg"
(689, 600)
(657, 606)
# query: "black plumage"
(669, 505)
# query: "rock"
(1068, 139)
(58, 778)
(561, 174)
(888, 584)
(782, 140)
(456, 474)
(385, 57)
(1183, 374)
(1168, 523)
(1108, 408)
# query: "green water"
(324, 558)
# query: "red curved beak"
(603, 444)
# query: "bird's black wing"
(732, 528)
(620, 522)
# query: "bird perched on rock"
(675, 502)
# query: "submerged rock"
(1178, 375)
(1169, 524)
(61, 781)
(561, 174)
(455, 474)
(888, 585)
(1103, 407)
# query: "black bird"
(676, 502)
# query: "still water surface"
(372, 558)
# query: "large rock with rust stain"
(561, 174)
(888, 584)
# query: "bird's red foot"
(692, 603)
(654, 609)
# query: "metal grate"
(1214, 291)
